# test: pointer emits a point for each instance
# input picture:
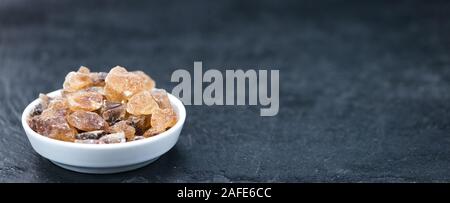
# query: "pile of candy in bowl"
(104, 108)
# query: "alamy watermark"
(215, 94)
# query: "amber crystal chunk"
(86, 121)
(121, 85)
(85, 100)
(142, 104)
(123, 126)
(77, 80)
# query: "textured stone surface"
(364, 91)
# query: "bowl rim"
(176, 103)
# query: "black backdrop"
(364, 85)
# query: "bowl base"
(104, 170)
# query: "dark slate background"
(364, 86)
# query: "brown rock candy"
(84, 70)
(140, 123)
(53, 112)
(86, 121)
(123, 126)
(167, 115)
(153, 131)
(112, 95)
(113, 111)
(133, 109)
(120, 85)
(142, 103)
(58, 103)
(160, 96)
(55, 127)
(75, 81)
(85, 100)
(52, 123)
(55, 107)
(161, 120)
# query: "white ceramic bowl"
(105, 158)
